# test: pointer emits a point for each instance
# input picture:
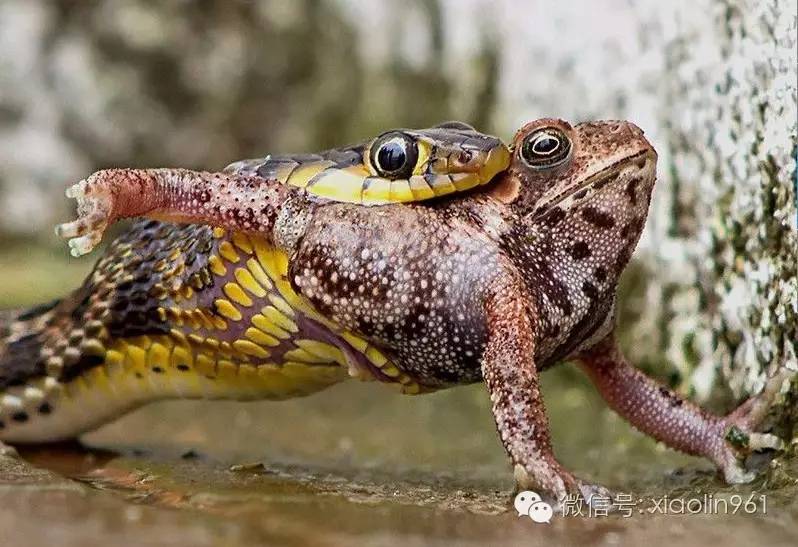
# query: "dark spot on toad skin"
(554, 217)
(600, 274)
(631, 189)
(552, 331)
(601, 183)
(555, 289)
(623, 258)
(672, 398)
(597, 218)
(580, 250)
(638, 224)
(590, 290)
(582, 329)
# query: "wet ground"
(361, 465)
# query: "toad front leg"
(235, 201)
(511, 376)
(661, 413)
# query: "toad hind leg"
(511, 376)
(664, 415)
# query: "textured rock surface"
(733, 193)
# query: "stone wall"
(731, 97)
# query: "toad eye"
(545, 148)
(394, 155)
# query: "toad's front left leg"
(236, 201)
(664, 415)
(512, 379)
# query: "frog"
(493, 283)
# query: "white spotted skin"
(412, 283)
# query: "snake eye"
(394, 155)
(545, 148)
